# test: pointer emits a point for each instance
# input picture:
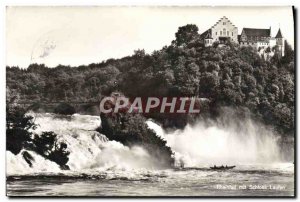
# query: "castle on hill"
(261, 39)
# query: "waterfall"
(89, 150)
(206, 143)
(219, 142)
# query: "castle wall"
(225, 29)
(272, 42)
(280, 45)
(262, 44)
(222, 25)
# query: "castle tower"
(280, 42)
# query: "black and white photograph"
(150, 101)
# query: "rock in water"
(28, 158)
(131, 130)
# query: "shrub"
(17, 126)
(49, 147)
(18, 137)
(131, 130)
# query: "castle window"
(232, 33)
(216, 33)
(224, 23)
(221, 33)
(227, 33)
(224, 32)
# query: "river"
(99, 167)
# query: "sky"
(83, 35)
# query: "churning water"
(99, 167)
(210, 144)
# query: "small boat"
(222, 167)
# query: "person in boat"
(222, 167)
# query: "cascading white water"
(89, 150)
(113, 169)
(216, 143)
(203, 144)
(16, 164)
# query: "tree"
(229, 75)
(131, 129)
(288, 53)
(17, 129)
(208, 85)
(186, 34)
(48, 146)
(18, 124)
(19, 136)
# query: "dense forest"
(228, 75)
(225, 74)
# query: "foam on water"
(213, 144)
(89, 150)
(16, 164)
(200, 145)
(102, 167)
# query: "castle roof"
(239, 37)
(223, 18)
(206, 34)
(257, 32)
(279, 35)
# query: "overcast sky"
(84, 35)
